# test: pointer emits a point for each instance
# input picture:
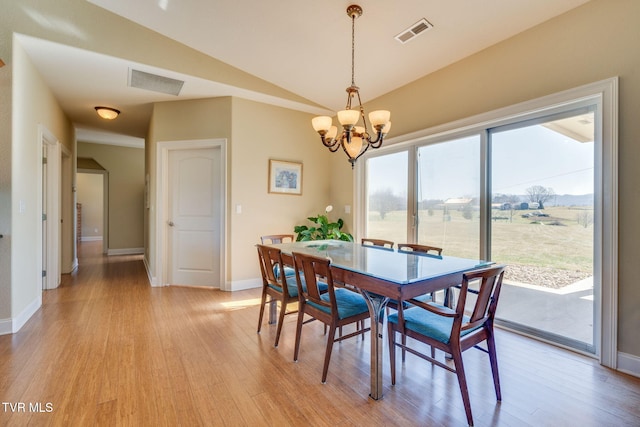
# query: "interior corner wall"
(125, 166)
(255, 132)
(35, 106)
(180, 121)
(262, 132)
(593, 42)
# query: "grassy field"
(558, 241)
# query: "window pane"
(449, 196)
(387, 180)
(542, 225)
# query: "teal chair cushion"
(349, 303)
(292, 286)
(288, 271)
(429, 324)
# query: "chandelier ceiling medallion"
(354, 138)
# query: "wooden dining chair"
(280, 288)
(423, 249)
(377, 242)
(393, 304)
(451, 330)
(274, 239)
(335, 308)
(414, 247)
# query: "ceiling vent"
(412, 32)
(154, 83)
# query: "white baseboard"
(90, 238)
(18, 322)
(629, 364)
(241, 285)
(153, 281)
(125, 251)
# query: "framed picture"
(285, 177)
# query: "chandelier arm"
(329, 143)
(376, 143)
(334, 147)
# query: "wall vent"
(154, 82)
(413, 31)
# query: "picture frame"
(285, 177)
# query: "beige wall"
(180, 121)
(591, 43)
(262, 132)
(35, 106)
(90, 196)
(255, 133)
(125, 166)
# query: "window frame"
(604, 96)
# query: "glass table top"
(383, 263)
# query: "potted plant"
(322, 229)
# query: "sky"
(521, 158)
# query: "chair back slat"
(276, 238)
(311, 268)
(486, 297)
(414, 247)
(377, 242)
(269, 257)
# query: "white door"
(194, 217)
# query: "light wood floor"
(107, 349)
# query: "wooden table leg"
(273, 308)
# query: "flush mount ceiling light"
(107, 113)
(353, 139)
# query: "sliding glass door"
(542, 225)
(521, 194)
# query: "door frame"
(162, 204)
(51, 188)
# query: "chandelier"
(354, 139)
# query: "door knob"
(170, 223)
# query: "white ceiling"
(302, 46)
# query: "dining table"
(381, 274)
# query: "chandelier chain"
(353, 49)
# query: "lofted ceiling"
(301, 46)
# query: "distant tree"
(584, 218)
(506, 198)
(540, 194)
(384, 201)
